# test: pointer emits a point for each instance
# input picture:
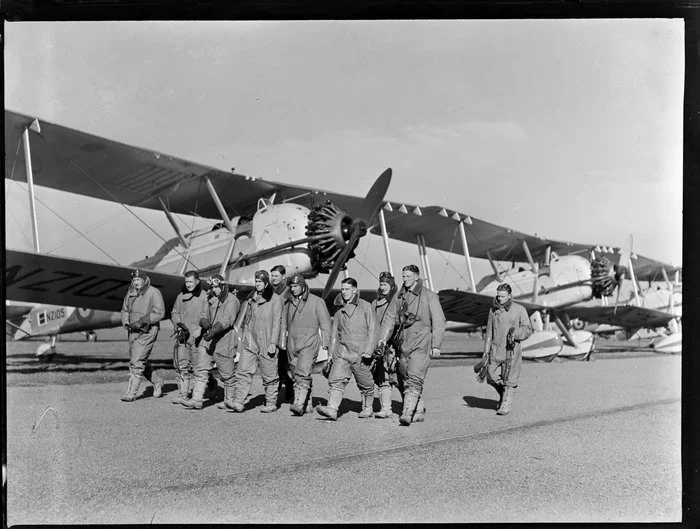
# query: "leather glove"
(327, 368)
(481, 368)
(182, 333)
(205, 324)
(135, 326)
(367, 360)
(217, 328)
(510, 339)
(434, 352)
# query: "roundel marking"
(84, 315)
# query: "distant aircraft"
(565, 289)
(309, 231)
(52, 320)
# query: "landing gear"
(47, 350)
(91, 336)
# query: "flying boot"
(157, 382)
(501, 390)
(335, 397)
(507, 401)
(409, 407)
(197, 400)
(385, 399)
(228, 399)
(183, 386)
(299, 406)
(419, 416)
(132, 389)
(367, 404)
(270, 399)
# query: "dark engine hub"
(332, 228)
(602, 277)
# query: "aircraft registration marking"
(85, 286)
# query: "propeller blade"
(375, 197)
(622, 267)
(620, 281)
(365, 214)
(626, 252)
(340, 262)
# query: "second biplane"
(309, 231)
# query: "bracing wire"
(448, 263)
(24, 235)
(110, 194)
(88, 230)
(14, 161)
(361, 263)
(76, 229)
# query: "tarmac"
(586, 442)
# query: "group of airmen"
(281, 328)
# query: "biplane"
(262, 223)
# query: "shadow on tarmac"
(28, 364)
(478, 402)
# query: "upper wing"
(440, 229)
(81, 163)
(77, 162)
(628, 316)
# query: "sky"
(569, 129)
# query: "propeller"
(621, 268)
(356, 227)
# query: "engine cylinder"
(602, 277)
(331, 228)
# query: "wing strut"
(565, 331)
(465, 248)
(385, 239)
(634, 281)
(535, 270)
(226, 260)
(34, 125)
(424, 260)
(171, 219)
(495, 268)
(670, 290)
(219, 205)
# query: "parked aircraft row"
(312, 232)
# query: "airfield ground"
(586, 441)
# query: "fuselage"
(208, 248)
(564, 282)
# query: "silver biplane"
(309, 231)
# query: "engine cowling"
(602, 277)
(605, 276)
(332, 228)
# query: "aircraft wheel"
(45, 352)
(91, 336)
(578, 324)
